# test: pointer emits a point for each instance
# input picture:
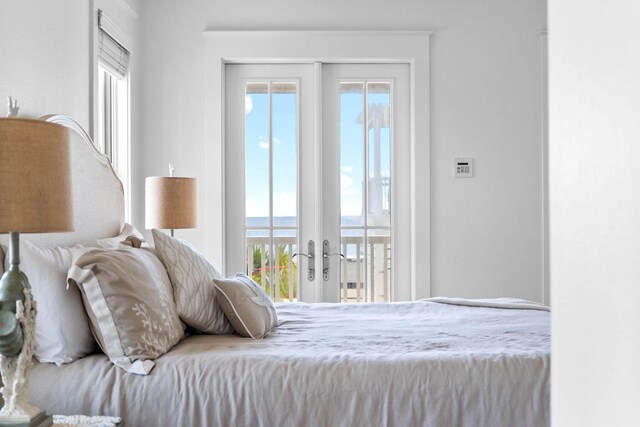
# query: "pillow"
(62, 331)
(247, 306)
(191, 276)
(127, 295)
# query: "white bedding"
(401, 364)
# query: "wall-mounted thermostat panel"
(463, 168)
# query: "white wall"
(44, 57)
(487, 232)
(595, 211)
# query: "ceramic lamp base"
(39, 420)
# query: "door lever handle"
(310, 256)
(325, 259)
(325, 255)
(311, 263)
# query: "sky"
(285, 154)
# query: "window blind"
(111, 54)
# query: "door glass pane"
(257, 257)
(277, 266)
(379, 265)
(285, 169)
(351, 153)
(352, 267)
(365, 274)
(285, 274)
(271, 141)
(256, 107)
(379, 140)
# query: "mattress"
(398, 364)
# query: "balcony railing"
(364, 272)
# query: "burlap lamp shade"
(170, 202)
(35, 178)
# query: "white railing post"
(290, 265)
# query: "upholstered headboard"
(97, 193)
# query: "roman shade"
(112, 52)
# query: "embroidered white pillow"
(191, 275)
(63, 334)
(247, 306)
(128, 297)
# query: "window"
(105, 138)
(111, 129)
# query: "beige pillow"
(191, 276)
(246, 305)
(128, 297)
(63, 334)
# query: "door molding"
(410, 47)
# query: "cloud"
(353, 208)
(248, 104)
(345, 181)
(346, 185)
(257, 208)
(347, 169)
(284, 204)
(263, 142)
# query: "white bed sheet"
(400, 364)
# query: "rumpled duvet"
(422, 363)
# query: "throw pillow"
(191, 275)
(247, 306)
(127, 295)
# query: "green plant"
(279, 265)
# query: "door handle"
(311, 260)
(325, 259)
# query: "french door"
(317, 178)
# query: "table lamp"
(35, 197)
(170, 202)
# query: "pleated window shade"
(111, 54)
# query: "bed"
(424, 363)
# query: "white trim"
(413, 189)
(209, 153)
(93, 69)
(316, 60)
(544, 90)
(411, 47)
(270, 136)
(318, 150)
(294, 33)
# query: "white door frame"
(410, 47)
